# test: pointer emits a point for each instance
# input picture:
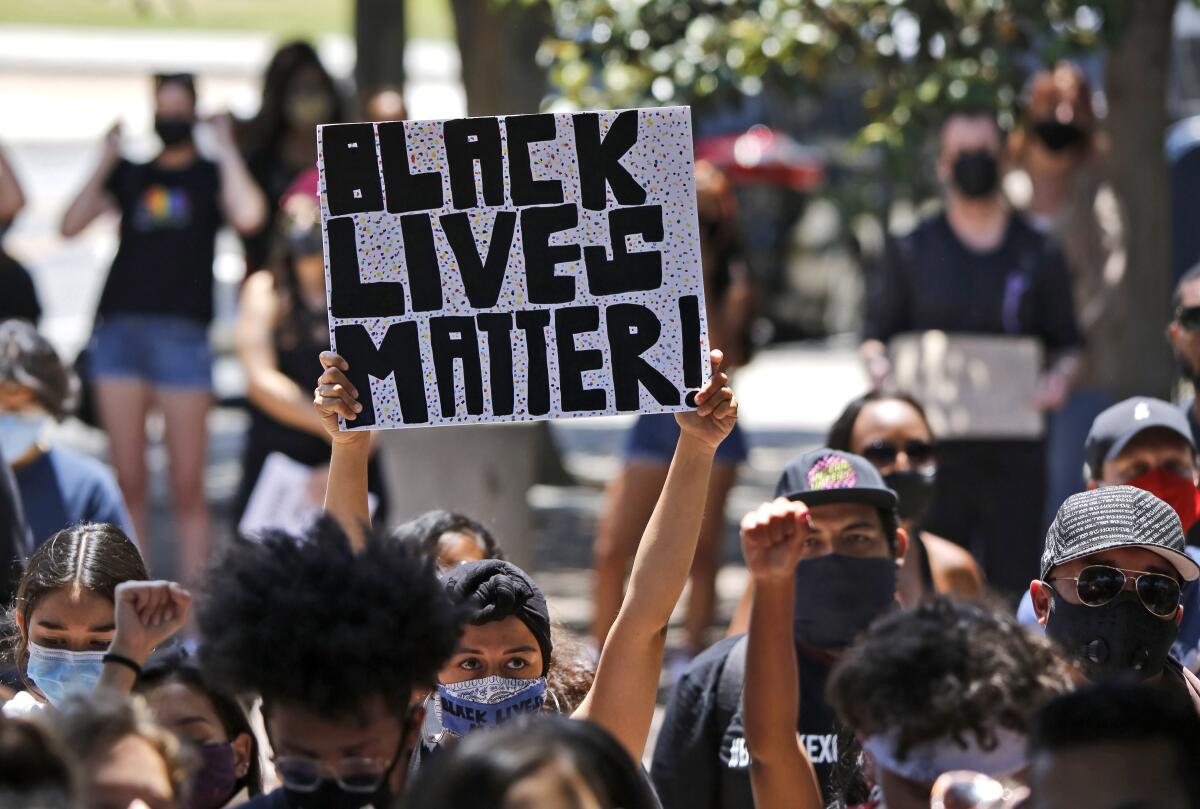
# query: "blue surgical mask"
(488, 702)
(58, 672)
(19, 432)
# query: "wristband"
(121, 660)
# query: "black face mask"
(173, 131)
(1121, 638)
(976, 174)
(915, 488)
(837, 598)
(1059, 137)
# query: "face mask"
(1059, 137)
(976, 174)
(488, 702)
(216, 780)
(173, 131)
(1120, 638)
(58, 673)
(837, 598)
(915, 488)
(19, 432)
(307, 109)
(1176, 491)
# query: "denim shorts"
(164, 351)
(654, 436)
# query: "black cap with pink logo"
(832, 476)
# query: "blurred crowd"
(945, 607)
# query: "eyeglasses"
(360, 775)
(1188, 318)
(884, 453)
(1097, 585)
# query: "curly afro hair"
(306, 621)
(946, 669)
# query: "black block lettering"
(627, 272)
(537, 225)
(469, 140)
(454, 338)
(482, 279)
(523, 130)
(399, 354)
(420, 258)
(537, 389)
(689, 329)
(405, 191)
(351, 169)
(573, 362)
(349, 296)
(600, 160)
(632, 330)
(498, 328)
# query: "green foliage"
(915, 58)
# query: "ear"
(1042, 598)
(1093, 484)
(1179, 615)
(20, 619)
(901, 545)
(1173, 332)
(243, 749)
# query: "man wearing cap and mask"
(980, 268)
(846, 579)
(1147, 443)
(1110, 587)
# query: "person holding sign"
(505, 650)
(150, 347)
(980, 269)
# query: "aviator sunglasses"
(1097, 585)
(884, 453)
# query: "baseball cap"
(832, 476)
(1116, 426)
(1117, 517)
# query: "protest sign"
(514, 268)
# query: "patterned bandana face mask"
(462, 707)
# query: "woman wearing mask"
(505, 653)
(59, 487)
(229, 771)
(281, 327)
(86, 616)
(280, 141)
(1061, 184)
(150, 348)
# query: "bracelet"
(121, 660)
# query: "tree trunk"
(498, 46)
(1136, 82)
(379, 34)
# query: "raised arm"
(94, 198)
(242, 201)
(346, 494)
(781, 772)
(146, 614)
(268, 388)
(623, 694)
(12, 198)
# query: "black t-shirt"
(701, 760)
(931, 280)
(15, 541)
(169, 223)
(19, 298)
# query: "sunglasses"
(358, 775)
(1188, 318)
(1097, 585)
(884, 453)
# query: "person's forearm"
(282, 399)
(1067, 365)
(346, 494)
(668, 545)
(241, 198)
(12, 198)
(781, 774)
(92, 200)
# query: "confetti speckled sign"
(514, 268)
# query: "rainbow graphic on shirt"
(162, 207)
